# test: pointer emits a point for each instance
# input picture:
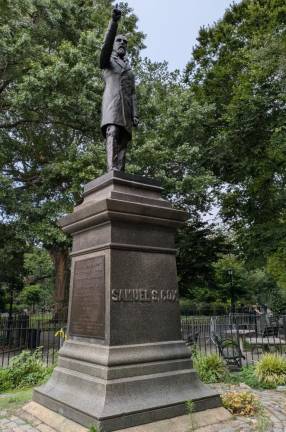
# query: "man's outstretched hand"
(116, 13)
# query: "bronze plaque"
(88, 300)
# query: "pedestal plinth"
(124, 363)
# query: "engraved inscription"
(143, 295)
(88, 301)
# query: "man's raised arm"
(107, 47)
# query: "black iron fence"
(213, 309)
(28, 332)
(239, 338)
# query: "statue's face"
(120, 45)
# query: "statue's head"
(120, 45)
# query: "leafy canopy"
(239, 67)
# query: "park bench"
(266, 337)
(230, 351)
(192, 339)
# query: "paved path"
(274, 404)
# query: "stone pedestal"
(124, 363)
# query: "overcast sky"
(172, 26)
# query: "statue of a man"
(119, 110)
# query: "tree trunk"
(61, 260)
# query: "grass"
(263, 421)
(15, 399)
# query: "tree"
(51, 87)
(50, 143)
(276, 266)
(231, 280)
(266, 290)
(31, 295)
(239, 68)
(38, 266)
(39, 273)
(168, 143)
(12, 271)
(199, 246)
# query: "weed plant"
(190, 410)
(246, 403)
(95, 429)
(242, 403)
(210, 368)
(247, 376)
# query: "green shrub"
(210, 368)
(4, 380)
(270, 370)
(25, 370)
(247, 376)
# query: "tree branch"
(14, 124)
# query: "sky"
(172, 26)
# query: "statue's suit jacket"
(119, 100)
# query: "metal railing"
(249, 334)
(28, 332)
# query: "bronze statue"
(119, 110)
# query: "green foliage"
(236, 283)
(247, 376)
(12, 272)
(276, 265)
(14, 400)
(95, 429)
(31, 295)
(199, 245)
(270, 370)
(231, 278)
(11, 255)
(39, 279)
(263, 421)
(5, 383)
(38, 265)
(210, 368)
(167, 144)
(239, 68)
(218, 139)
(50, 89)
(190, 406)
(25, 370)
(261, 283)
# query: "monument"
(119, 107)
(124, 363)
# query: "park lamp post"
(230, 274)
